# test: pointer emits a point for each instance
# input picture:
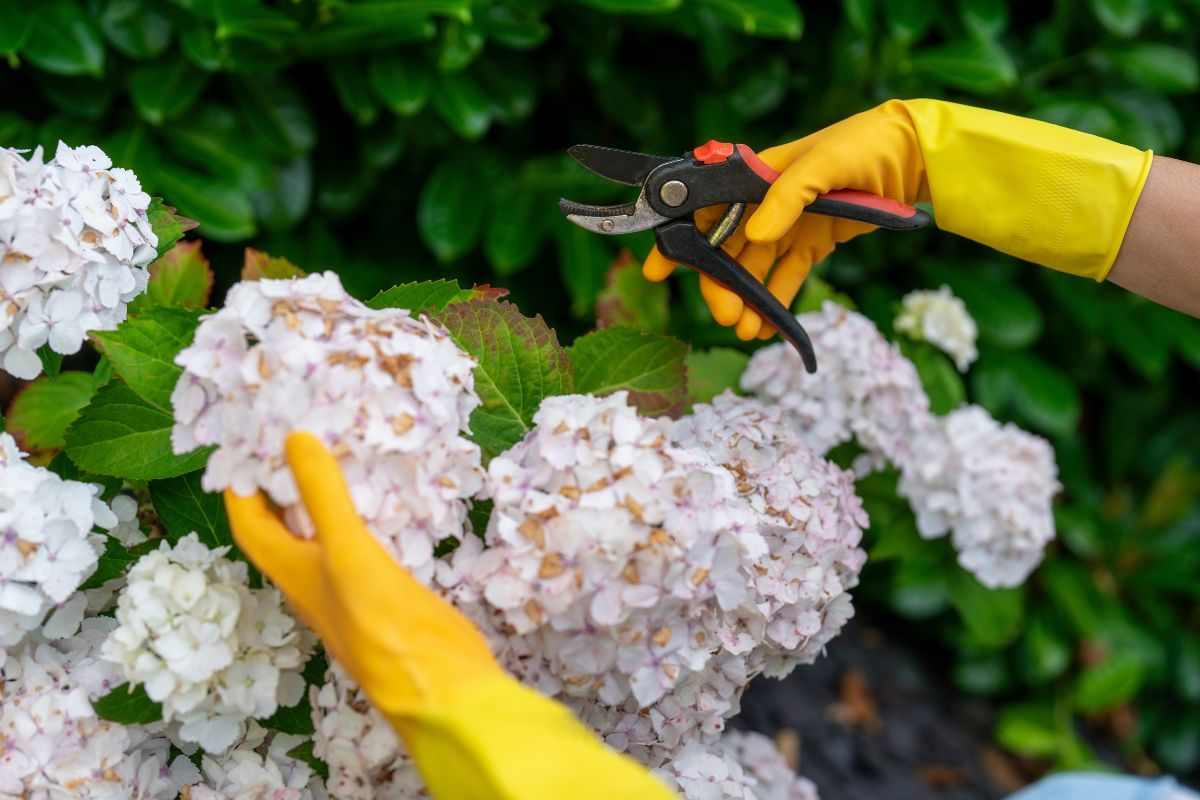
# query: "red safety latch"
(713, 152)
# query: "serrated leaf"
(650, 366)
(184, 507)
(165, 90)
(128, 706)
(64, 39)
(42, 411)
(629, 299)
(142, 351)
(519, 363)
(710, 372)
(51, 360)
(168, 226)
(402, 83)
(121, 435)
(993, 617)
(450, 210)
(181, 278)
(257, 265)
(428, 296)
(116, 559)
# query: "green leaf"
(1109, 683)
(463, 105)
(583, 261)
(200, 45)
(1122, 17)
(304, 752)
(451, 208)
(62, 466)
(184, 507)
(515, 27)
(354, 90)
(64, 39)
(428, 296)
(128, 706)
(181, 278)
(976, 65)
(633, 6)
(1028, 729)
(1187, 668)
(1155, 66)
(710, 372)
(143, 349)
(18, 24)
(257, 265)
(861, 15)
(277, 114)
(295, 719)
(137, 28)
(907, 20)
(984, 18)
(223, 210)
(251, 20)
(459, 45)
(165, 90)
(993, 617)
(981, 673)
(777, 18)
(515, 231)
(520, 362)
(761, 89)
(1177, 743)
(1045, 652)
(42, 411)
(14, 129)
(51, 361)
(403, 84)
(919, 588)
(650, 366)
(629, 299)
(1088, 116)
(1021, 383)
(116, 559)
(168, 226)
(939, 377)
(1005, 314)
(79, 95)
(121, 435)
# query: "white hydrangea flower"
(47, 547)
(626, 556)
(213, 651)
(941, 319)
(865, 389)
(366, 760)
(388, 392)
(258, 768)
(75, 240)
(736, 766)
(52, 744)
(989, 486)
(808, 513)
(761, 759)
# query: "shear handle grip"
(679, 241)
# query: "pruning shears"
(672, 188)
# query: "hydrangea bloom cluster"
(366, 759)
(865, 390)
(75, 239)
(47, 548)
(739, 765)
(941, 319)
(53, 745)
(389, 393)
(989, 486)
(808, 513)
(213, 651)
(258, 768)
(629, 557)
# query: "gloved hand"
(1037, 191)
(472, 730)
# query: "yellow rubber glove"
(473, 731)
(1040, 192)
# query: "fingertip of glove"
(763, 227)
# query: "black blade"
(622, 166)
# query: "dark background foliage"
(393, 141)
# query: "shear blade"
(612, 220)
(619, 166)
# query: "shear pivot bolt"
(673, 193)
(606, 224)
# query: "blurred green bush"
(393, 140)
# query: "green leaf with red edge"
(168, 226)
(41, 412)
(519, 363)
(181, 278)
(629, 299)
(429, 296)
(257, 264)
(650, 366)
